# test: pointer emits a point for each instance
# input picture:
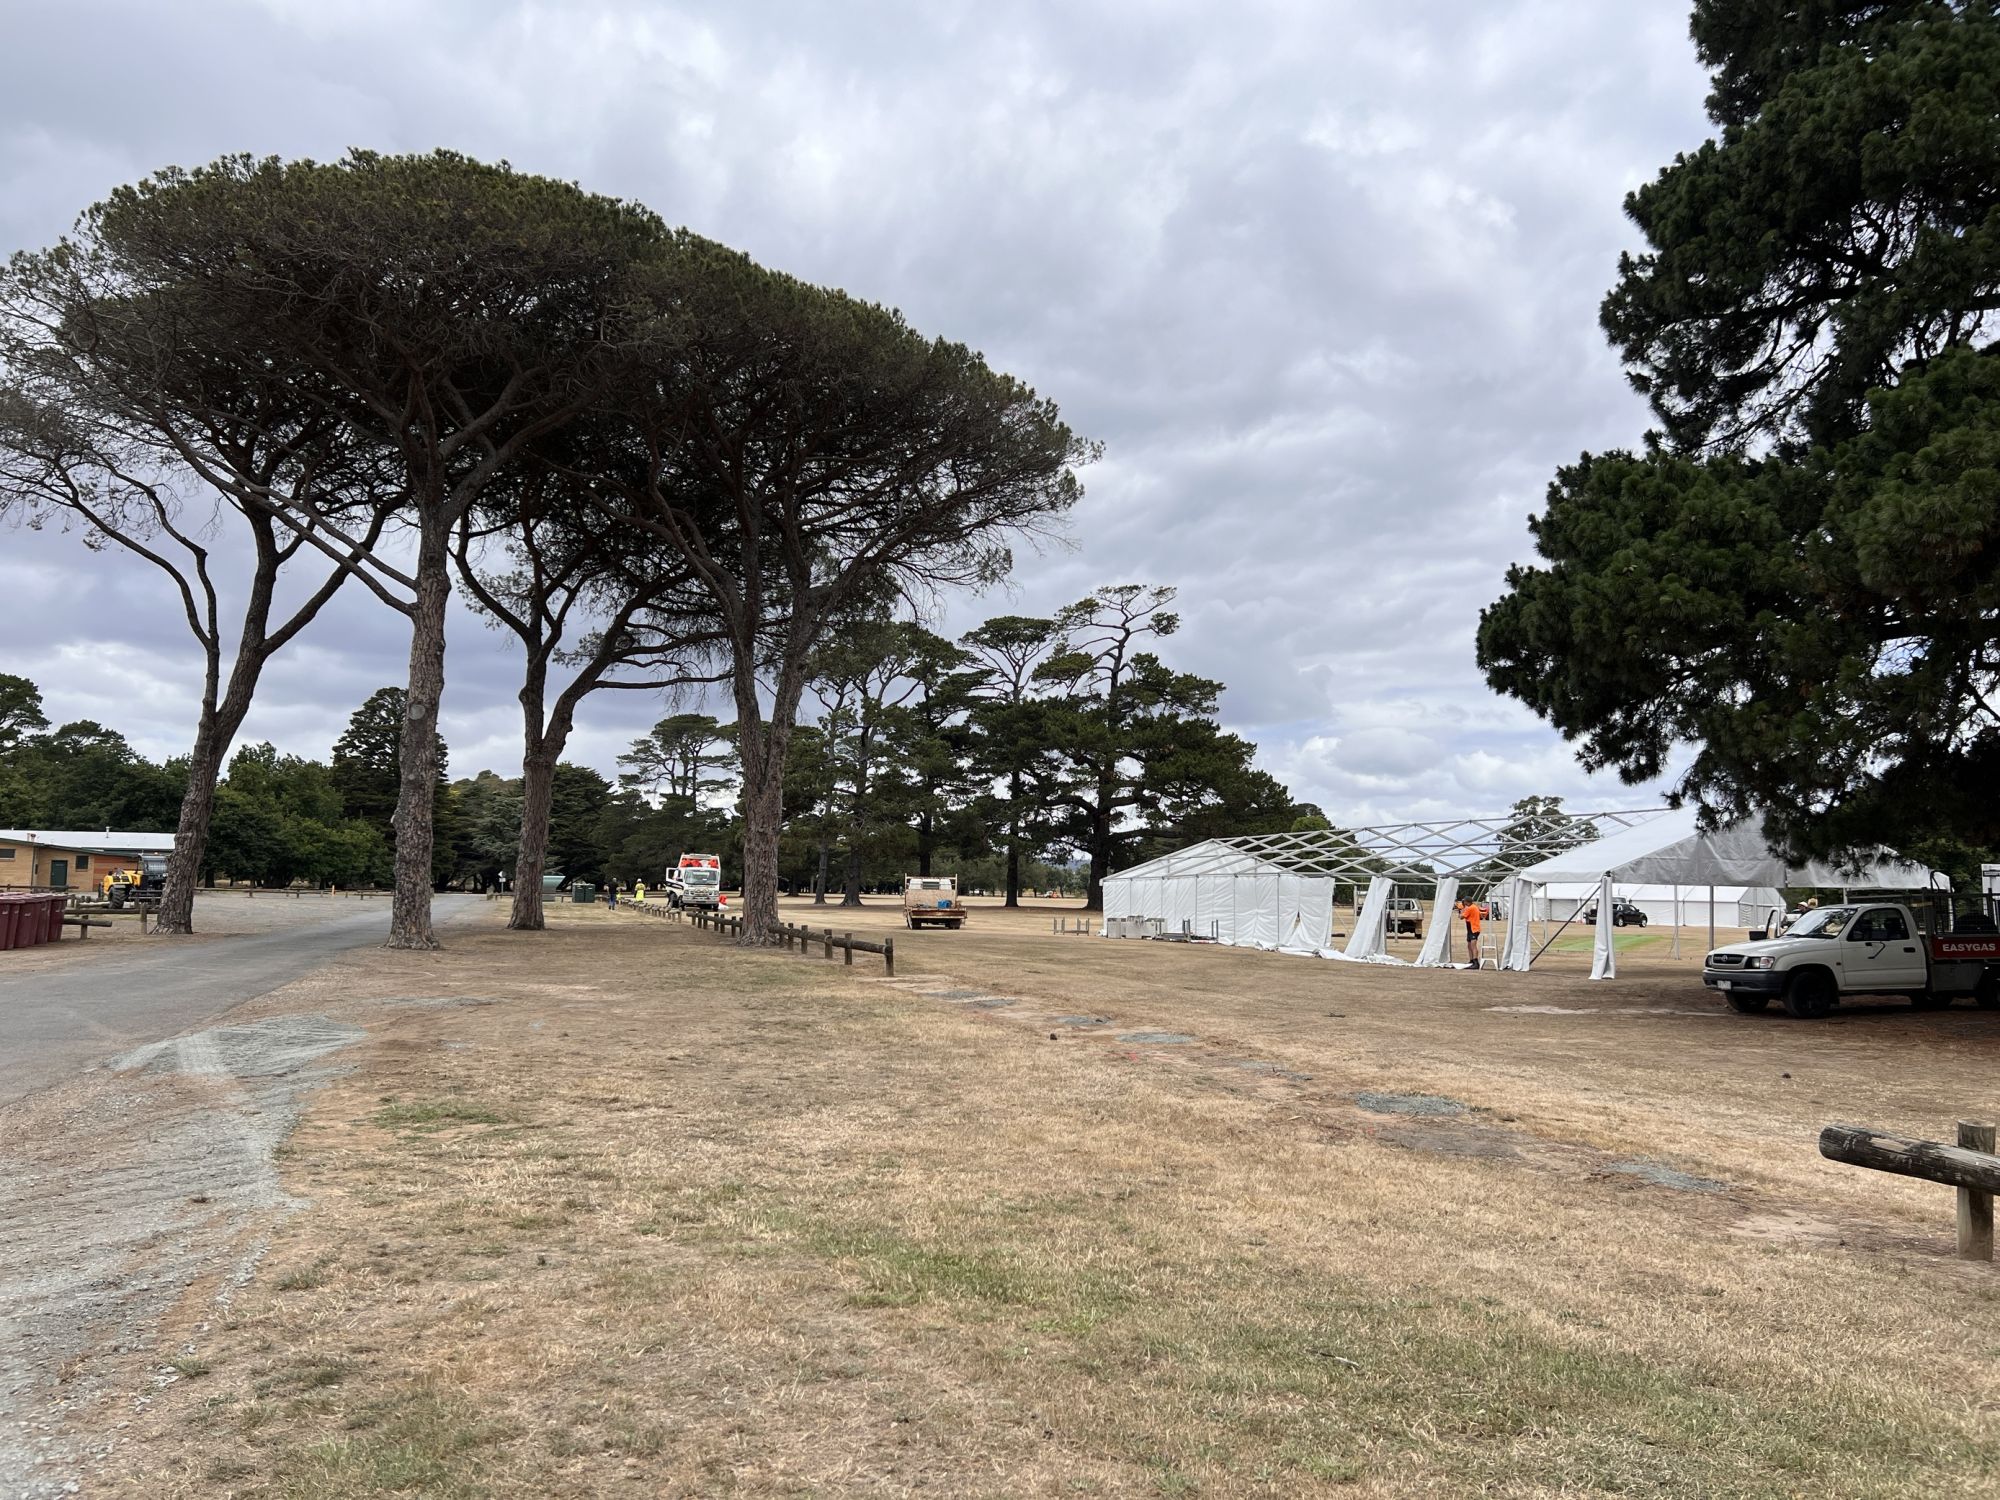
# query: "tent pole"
(1677, 922)
(1711, 916)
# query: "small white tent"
(1672, 850)
(1215, 890)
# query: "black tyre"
(1810, 995)
(1748, 1005)
(1988, 994)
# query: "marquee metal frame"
(1480, 851)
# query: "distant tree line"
(995, 758)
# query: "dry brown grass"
(666, 1218)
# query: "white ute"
(1861, 948)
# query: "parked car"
(1623, 914)
(1406, 915)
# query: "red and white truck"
(696, 882)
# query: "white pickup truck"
(1861, 948)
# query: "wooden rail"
(1970, 1166)
(664, 910)
(793, 936)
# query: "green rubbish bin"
(582, 892)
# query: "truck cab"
(1857, 948)
(699, 881)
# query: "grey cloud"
(1322, 275)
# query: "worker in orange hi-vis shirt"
(1470, 912)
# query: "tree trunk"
(410, 922)
(763, 814)
(213, 734)
(1014, 839)
(926, 837)
(1100, 860)
(819, 883)
(850, 894)
(543, 739)
(538, 783)
(762, 741)
(184, 863)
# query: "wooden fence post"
(1975, 1209)
(850, 949)
(889, 956)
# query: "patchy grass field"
(620, 1210)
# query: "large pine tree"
(1792, 591)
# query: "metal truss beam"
(1480, 851)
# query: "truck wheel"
(1988, 994)
(1810, 995)
(1748, 1005)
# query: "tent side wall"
(1226, 895)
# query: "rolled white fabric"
(1436, 952)
(1371, 923)
(1518, 952)
(1604, 952)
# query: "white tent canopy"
(1672, 850)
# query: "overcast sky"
(1322, 275)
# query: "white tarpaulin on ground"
(1518, 951)
(1370, 938)
(1214, 891)
(1436, 952)
(1672, 850)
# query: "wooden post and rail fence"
(794, 937)
(1971, 1166)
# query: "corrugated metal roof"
(91, 840)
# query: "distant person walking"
(611, 894)
(1470, 912)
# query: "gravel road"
(53, 1023)
(136, 1136)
